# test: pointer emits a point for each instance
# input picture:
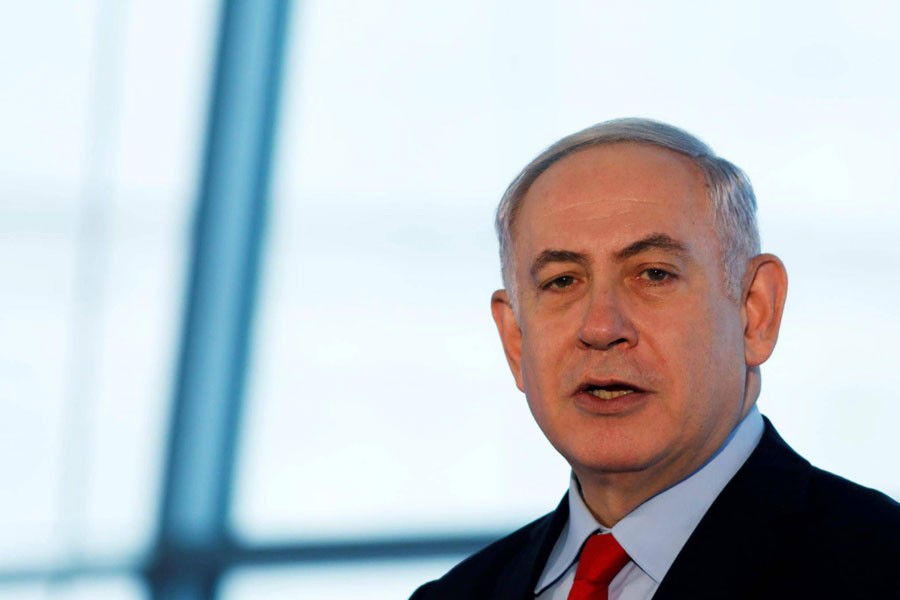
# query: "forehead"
(615, 193)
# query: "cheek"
(536, 361)
(715, 360)
(544, 360)
(698, 347)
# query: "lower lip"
(598, 406)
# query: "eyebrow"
(654, 241)
(557, 256)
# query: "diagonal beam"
(221, 289)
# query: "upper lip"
(608, 383)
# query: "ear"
(510, 334)
(765, 289)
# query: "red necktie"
(601, 558)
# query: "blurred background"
(246, 255)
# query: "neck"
(612, 497)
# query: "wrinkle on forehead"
(553, 217)
(618, 167)
(595, 201)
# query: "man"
(637, 312)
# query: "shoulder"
(829, 502)
(844, 502)
(862, 522)
(819, 501)
(512, 558)
(838, 534)
(847, 541)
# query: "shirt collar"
(654, 532)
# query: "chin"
(615, 448)
(610, 463)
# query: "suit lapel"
(738, 548)
(519, 579)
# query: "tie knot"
(601, 558)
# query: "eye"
(560, 282)
(655, 275)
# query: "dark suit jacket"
(781, 528)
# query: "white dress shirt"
(654, 532)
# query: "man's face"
(628, 347)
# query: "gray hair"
(732, 197)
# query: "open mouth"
(610, 391)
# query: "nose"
(605, 324)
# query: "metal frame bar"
(227, 241)
(220, 559)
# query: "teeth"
(609, 395)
